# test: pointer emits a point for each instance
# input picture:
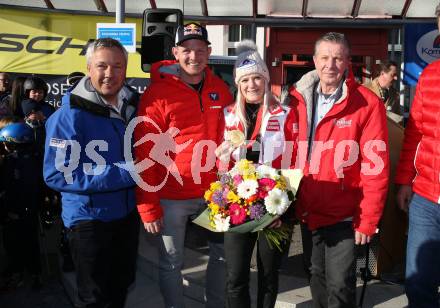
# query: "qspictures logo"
(345, 153)
(428, 46)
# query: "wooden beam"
(406, 8)
(153, 4)
(255, 8)
(356, 7)
(49, 4)
(100, 5)
(204, 6)
(304, 8)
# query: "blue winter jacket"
(84, 141)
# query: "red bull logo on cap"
(192, 29)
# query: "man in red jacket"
(181, 107)
(418, 172)
(343, 140)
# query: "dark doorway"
(294, 73)
(291, 74)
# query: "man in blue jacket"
(83, 154)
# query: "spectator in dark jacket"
(35, 89)
(5, 94)
(20, 181)
(17, 96)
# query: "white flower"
(276, 201)
(221, 224)
(247, 188)
(293, 177)
(264, 171)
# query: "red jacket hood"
(156, 66)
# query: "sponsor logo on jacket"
(273, 125)
(214, 96)
(295, 128)
(341, 123)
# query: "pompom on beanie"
(249, 62)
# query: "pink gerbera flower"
(264, 186)
(237, 214)
(237, 179)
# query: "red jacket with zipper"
(419, 163)
(170, 103)
(346, 176)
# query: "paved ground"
(293, 286)
(293, 292)
(50, 295)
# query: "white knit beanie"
(249, 61)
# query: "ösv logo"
(428, 46)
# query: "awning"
(219, 11)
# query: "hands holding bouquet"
(248, 198)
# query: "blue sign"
(422, 47)
(125, 33)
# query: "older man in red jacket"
(418, 172)
(343, 141)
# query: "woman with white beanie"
(266, 126)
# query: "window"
(231, 51)
(236, 34)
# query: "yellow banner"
(53, 43)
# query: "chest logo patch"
(57, 143)
(214, 96)
(341, 123)
(273, 125)
(295, 128)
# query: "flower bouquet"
(248, 198)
